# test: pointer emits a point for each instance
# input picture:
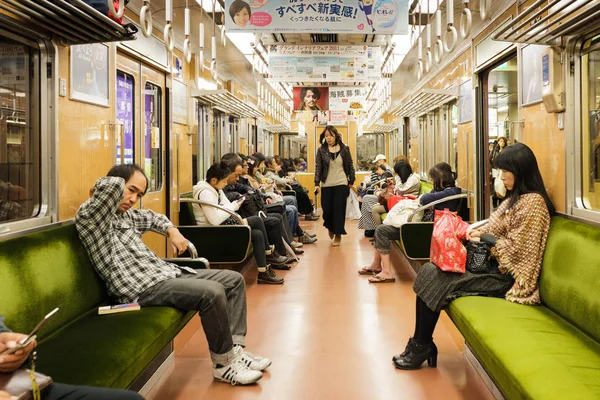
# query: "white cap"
(379, 157)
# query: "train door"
(498, 113)
(140, 109)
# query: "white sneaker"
(236, 373)
(252, 361)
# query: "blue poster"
(317, 16)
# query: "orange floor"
(330, 335)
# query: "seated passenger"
(291, 205)
(518, 230)
(443, 186)
(211, 191)
(111, 229)
(406, 183)
(56, 391)
(305, 206)
(378, 177)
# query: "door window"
(125, 118)
(153, 136)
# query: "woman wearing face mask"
(334, 175)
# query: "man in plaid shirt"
(111, 229)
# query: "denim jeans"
(218, 295)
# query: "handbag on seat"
(19, 383)
(447, 251)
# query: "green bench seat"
(550, 351)
(47, 268)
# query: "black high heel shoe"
(417, 355)
(409, 346)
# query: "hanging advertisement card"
(324, 63)
(323, 117)
(382, 17)
(311, 98)
(347, 98)
(338, 117)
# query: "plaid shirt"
(113, 242)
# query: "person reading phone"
(111, 227)
(11, 362)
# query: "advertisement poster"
(179, 102)
(13, 65)
(89, 73)
(317, 16)
(338, 117)
(324, 63)
(125, 117)
(348, 98)
(311, 98)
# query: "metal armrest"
(188, 260)
(434, 203)
(204, 203)
(479, 224)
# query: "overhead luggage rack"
(226, 102)
(277, 128)
(549, 22)
(424, 101)
(385, 128)
(73, 21)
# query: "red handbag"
(447, 250)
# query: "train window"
(125, 116)
(591, 129)
(153, 136)
(292, 146)
(20, 169)
(367, 147)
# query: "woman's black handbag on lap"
(479, 260)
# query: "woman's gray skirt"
(438, 288)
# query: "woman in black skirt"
(517, 230)
(334, 176)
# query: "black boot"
(417, 355)
(275, 258)
(269, 277)
(409, 346)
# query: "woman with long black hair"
(517, 230)
(334, 176)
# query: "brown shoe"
(337, 240)
(331, 235)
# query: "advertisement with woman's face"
(311, 98)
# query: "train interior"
(171, 88)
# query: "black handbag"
(276, 208)
(479, 260)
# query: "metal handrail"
(479, 224)
(434, 203)
(219, 207)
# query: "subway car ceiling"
(449, 109)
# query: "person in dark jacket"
(334, 176)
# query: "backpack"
(252, 205)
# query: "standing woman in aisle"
(334, 176)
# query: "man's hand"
(179, 244)
(8, 340)
(269, 200)
(4, 395)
